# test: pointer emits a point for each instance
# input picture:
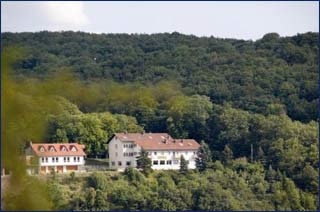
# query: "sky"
(241, 20)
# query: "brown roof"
(158, 141)
(58, 149)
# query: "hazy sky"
(244, 20)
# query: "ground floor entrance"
(58, 169)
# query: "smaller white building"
(58, 157)
(164, 151)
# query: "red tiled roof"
(57, 149)
(158, 141)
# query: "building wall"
(121, 153)
(173, 156)
(61, 162)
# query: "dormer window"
(73, 149)
(51, 149)
(63, 148)
(41, 149)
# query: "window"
(52, 160)
(116, 154)
(51, 149)
(128, 163)
(175, 161)
(124, 145)
(116, 145)
(78, 159)
(155, 162)
(46, 160)
(162, 162)
(64, 159)
(56, 159)
(119, 163)
(168, 153)
(42, 160)
(169, 162)
(68, 159)
(162, 153)
(73, 149)
(155, 153)
(186, 153)
(113, 163)
(194, 153)
(41, 149)
(74, 159)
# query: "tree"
(261, 156)
(183, 165)
(90, 198)
(144, 162)
(227, 154)
(100, 202)
(271, 174)
(204, 158)
(97, 181)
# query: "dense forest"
(253, 103)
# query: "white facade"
(170, 159)
(122, 154)
(54, 162)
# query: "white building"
(164, 151)
(58, 157)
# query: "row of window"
(129, 154)
(56, 159)
(62, 148)
(128, 163)
(163, 162)
(126, 146)
(174, 153)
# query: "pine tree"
(271, 174)
(261, 156)
(183, 165)
(144, 162)
(204, 157)
(227, 155)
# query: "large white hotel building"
(163, 150)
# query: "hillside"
(253, 103)
(250, 75)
